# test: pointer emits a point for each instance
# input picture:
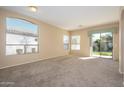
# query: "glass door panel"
(102, 44)
(96, 44)
(106, 44)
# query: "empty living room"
(61, 46)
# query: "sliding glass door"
(102, 44)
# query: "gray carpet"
(63, 72)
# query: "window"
(66, 42)
(21, 37)
(75, 42)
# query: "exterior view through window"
(75, 42)
(102, 44)
(66, 42)
(21, 37)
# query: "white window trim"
(66, 43)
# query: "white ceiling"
(70, 17)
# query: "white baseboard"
(30, 62)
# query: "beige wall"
(84, 43)
(116, 46)
(85, 40)
(121, 40)
(50, 41)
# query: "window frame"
(72, 43)
(25, 53)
